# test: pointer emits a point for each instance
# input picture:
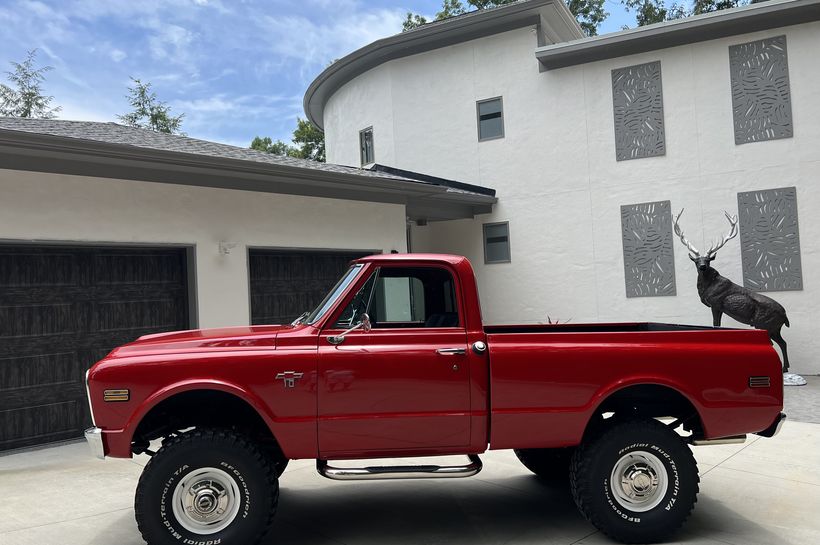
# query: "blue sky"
(236, 68)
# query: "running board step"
(399, 472)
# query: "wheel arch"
(199, 403)
(648, 398)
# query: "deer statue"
(725, 297)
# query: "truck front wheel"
(205, 487)
(637, 482)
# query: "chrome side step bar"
(399, 472)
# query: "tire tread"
(581, 465)
(209, 436)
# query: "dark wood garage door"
(61, 310)
(286, 283)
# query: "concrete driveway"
(766, 491)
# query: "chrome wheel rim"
(206, 501)
(639, 481)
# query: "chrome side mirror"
(364, 325)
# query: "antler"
(693, 252)
(732, 234)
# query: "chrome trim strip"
(95, 442)
(733, 440)
(760, 382)
(88, 397)
(399, 472)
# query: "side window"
(490, 119)
(366, 146)
(414, 297)
(497, 242)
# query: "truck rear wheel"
(637, 482)
(550, 464)
(205, 487)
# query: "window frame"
(330, 324)
(484, 242)
(362, 148)
(478, 104)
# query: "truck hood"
(243, 337)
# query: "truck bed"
(546, 381)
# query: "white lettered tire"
(637, 482)
(207, 487)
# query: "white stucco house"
(592, 144)
(108, 233)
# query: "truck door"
(404, 385)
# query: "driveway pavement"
(766, 492)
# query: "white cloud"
(117, 55)
(315, 44)
(170, 42)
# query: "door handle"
(451, 351)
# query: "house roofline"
(709, 26)
(39, 152)
(434, 35)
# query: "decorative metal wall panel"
(761, 98)
(770, 239)
(649, 260)
(637, 99)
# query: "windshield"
(334, 294)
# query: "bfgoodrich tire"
(206, 487)
(637, 482)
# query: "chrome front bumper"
(95, 442)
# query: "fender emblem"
(289, 378)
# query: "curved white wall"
(559, 184)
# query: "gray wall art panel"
(770, 239)
(637, 99)
(649, 261)
(761, 97)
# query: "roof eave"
(719, 24)
(427, 38)
(62, 155)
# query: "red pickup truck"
(396, 362)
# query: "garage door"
(286, 283)
(61, 310)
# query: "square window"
(366, 146)
(497, 242)
(490, 119)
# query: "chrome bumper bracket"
(95, 442)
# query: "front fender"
(118, 441)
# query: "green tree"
(413, 20)
(450, 8)
(149, 112)
(25, 98)
(269, 146)
(309, 143)
(706, 6)
(590, 13)
(648, 12)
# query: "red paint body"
(387, 393)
